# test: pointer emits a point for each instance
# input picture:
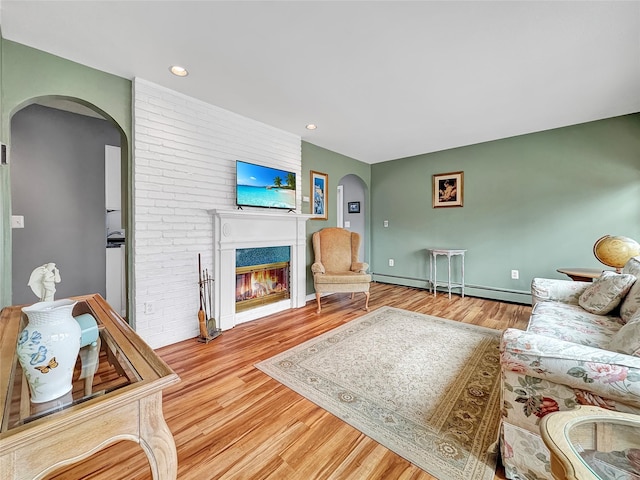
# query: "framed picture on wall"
(319, 195)
(448, 189)
(353, 207)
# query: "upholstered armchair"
(336, 267)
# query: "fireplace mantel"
(234, 229)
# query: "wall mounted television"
(262, 186)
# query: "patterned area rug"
(424, 387)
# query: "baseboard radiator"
(482, 291)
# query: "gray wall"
(354, 191)
(533, 203)
(57, 183)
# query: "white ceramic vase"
(48, 348)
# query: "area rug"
(424, 387)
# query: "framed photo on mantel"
(448, 189)
(319, 192)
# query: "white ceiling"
(381, 79)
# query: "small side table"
(433, 265)
(581, 274)
(580, 440)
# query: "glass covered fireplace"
(262, 276)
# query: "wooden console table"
(123, 402)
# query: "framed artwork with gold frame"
(448, 189)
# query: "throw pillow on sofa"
(627, 339)
(606, 292)
(631, 304)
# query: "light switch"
(347, 224)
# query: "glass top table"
(101, 368)
(593, 443)
(116, 395)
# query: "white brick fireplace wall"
(184, 165)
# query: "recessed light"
(311, 126)
(178, 71)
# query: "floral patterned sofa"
(569, 356)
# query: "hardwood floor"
(231, 421)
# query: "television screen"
(260, 186)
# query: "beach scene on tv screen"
(261, 186)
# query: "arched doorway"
(354, 208)
(58, 190)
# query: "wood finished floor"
(231, 421)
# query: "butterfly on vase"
(39, 356)
(45, 368)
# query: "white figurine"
(43, 281)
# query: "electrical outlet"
(515, 274)
(148, 308)
(17, 221)
(391, 262)
(385, 224)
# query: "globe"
(615, 251)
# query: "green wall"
(27, 74)
(335, 166)
(532, 203)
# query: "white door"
(340, 207)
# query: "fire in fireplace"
(258, 285)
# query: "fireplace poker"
(209, 298)
(201, 315)
(203, 293)
(207, 304)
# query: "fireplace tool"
(201, 314)
(208, 329)
(208, 297)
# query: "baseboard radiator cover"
(472, 290)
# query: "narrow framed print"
(448, 189)
(319, 195)
(353, 207)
